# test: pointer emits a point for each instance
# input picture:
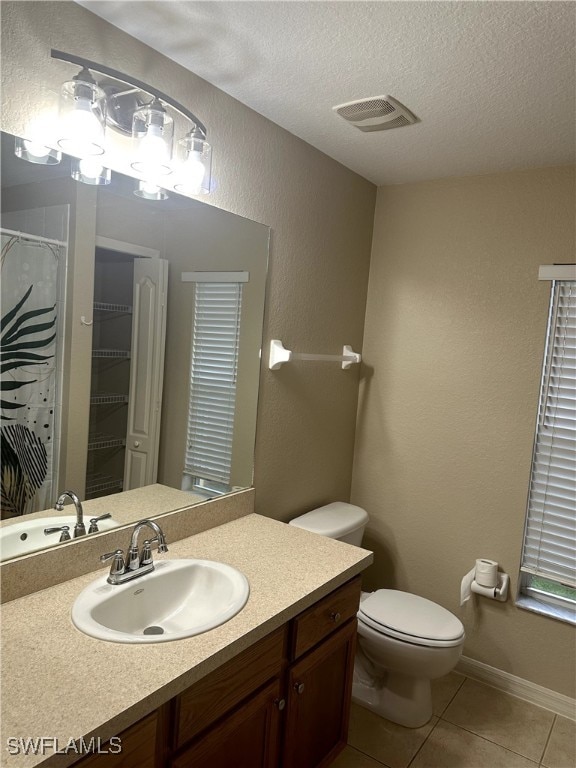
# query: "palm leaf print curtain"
(29, 358)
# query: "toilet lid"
(406, 614)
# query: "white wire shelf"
(116, 354)
(98, 483)
(102, 306)
(99, 440)
(108, 399)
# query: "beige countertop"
(126, 508)
(58, 682)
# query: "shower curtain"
(30, 367)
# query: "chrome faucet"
(136, 563)
(79, 528)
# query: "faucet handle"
(95, 520)
(64, 532)
(117, 566)
(146, 556)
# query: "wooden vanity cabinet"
(141, 746)
(318, 702)
(282, 703)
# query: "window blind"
(549, 547)
(213, 374)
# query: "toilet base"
(399, 698)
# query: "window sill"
(546, 609)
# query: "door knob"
(280, 703)
(299, 688)
(335, 616)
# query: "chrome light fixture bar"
(130, 107)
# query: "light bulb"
(90, 167)
(89, 170)
(39, 152)
(194, 171)
(82, 117)
(150, 191)
(148, 188)
(35, 151)
(152, 130)
(153, 156)
(82, 133)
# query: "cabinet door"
(136, 747)
(146, 372)
(319, 694)
(247, 738)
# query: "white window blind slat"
(549, 549)
(213, 375)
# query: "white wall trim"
(517, 686)
(215, 277)
(557, 272)
(132, 249)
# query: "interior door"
(146, 372)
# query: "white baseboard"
(517, 686)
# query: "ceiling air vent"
(377, 113)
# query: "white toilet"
(405, 641)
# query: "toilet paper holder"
(499, 592)
(485, 579)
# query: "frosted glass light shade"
(152, 132)
(82, 119)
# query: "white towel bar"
(280, 355)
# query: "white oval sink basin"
(28, 535)
(180, 598)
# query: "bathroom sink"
(180, 598)
(28, 536)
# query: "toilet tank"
(338, 520)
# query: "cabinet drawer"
(218, 692)
(324, 617)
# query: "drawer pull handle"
(299, 688)
(280, 703)
(335, 616)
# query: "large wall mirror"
(131, 335)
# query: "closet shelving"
(119, 354)
(103, 306)
(108, 399)
(98, 484)
(111, 360)
(101, 440)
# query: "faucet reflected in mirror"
(108, 379)
(79, 528)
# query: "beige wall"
(453, 348)
(321, 218)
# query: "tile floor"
(474, 726)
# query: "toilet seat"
(411, 618)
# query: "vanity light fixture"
(135, 110)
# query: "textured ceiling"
(493, 83)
